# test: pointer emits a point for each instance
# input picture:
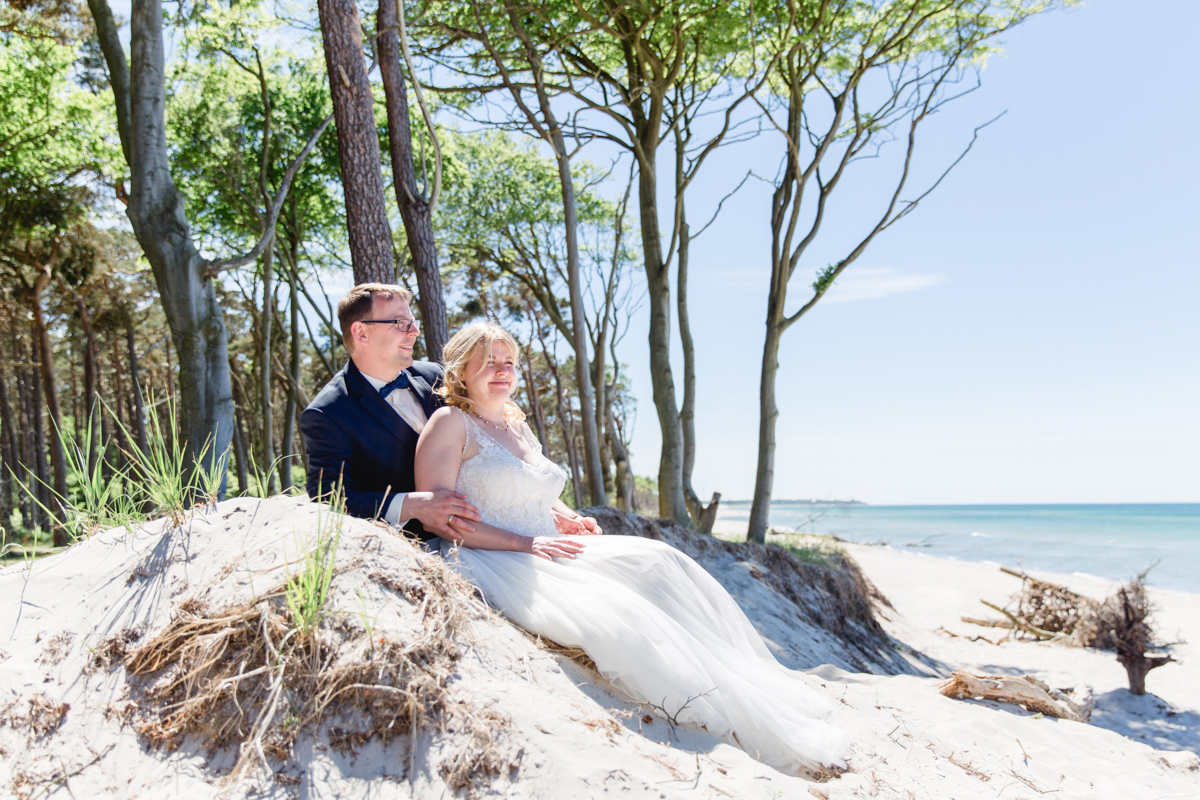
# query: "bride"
(658, 626)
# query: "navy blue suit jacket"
(351, 432)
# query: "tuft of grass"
(172, 484)
(307, 590)
(157, 482)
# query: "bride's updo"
(457, 355)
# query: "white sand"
(568, 735)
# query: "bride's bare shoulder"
(446, 422)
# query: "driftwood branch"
(1027, 691)
(1030, 629)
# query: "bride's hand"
(576, 525)
(551, 547)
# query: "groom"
(362, 428)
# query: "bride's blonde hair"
(457, 355)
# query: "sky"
(1028, 335)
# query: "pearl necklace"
(492, 424)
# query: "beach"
(555, 728)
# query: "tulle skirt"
(663, 631)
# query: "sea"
(1109, 541)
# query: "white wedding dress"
(658, 626)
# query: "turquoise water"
(1110, 541)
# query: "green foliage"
(97, 501)
(307, 591)
(51, 129)
(169, 483)
(825, 277)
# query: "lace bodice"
(510, 492)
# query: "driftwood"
(989, 623)
(1032, 630)
(1027, 691)
(1121, 623)
(1048, 607)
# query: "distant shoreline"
(799, 502)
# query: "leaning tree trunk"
(415, 209)
(550, 131)
(157, 215)
(358, 143)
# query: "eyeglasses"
(403, 325)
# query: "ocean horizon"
(1107, 540)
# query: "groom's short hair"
(358, 302)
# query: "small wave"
(979, 535)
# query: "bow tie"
(399, 382)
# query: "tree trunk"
(603, 401)
(42, 483)
(535, 405)
(267, 433)
(768, 415)
(624, 477)
(550, 131)
(288, 441)
(587, 400)
(671, 503)
(8, 450)
(568, 428)
(23, 434)
(91, 399)
(156, 212)
(415, 209)
(240, 445)
(58, 455)
(120, 402)
(687, 409)
(139, 410)
(358, 143)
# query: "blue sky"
(1029, 334)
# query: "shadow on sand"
(1148, 719)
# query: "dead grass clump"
(576, 654)
(251, 676)
(113, 650)
(43, 717)
(56, 648)
(481, 758)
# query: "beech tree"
(155, 208)
(848, 77)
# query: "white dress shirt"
(406, 404)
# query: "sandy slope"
(560, 730)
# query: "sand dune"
(551, 727)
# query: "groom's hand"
(442, 511)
